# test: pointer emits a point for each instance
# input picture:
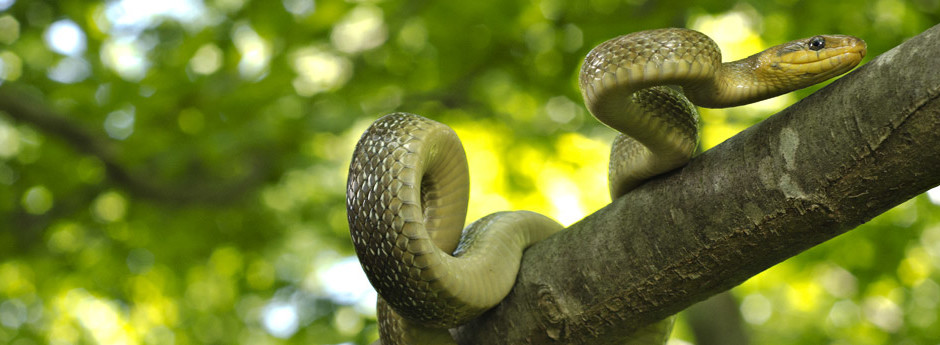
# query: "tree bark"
(819, 168)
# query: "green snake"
(408, 184)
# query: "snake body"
(408, 182)
(407, 197)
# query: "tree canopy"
(173, 172)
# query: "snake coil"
(408, 183)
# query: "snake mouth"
(822, 65)
(841, 54)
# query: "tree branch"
(838, 158)
(27, 109)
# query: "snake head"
(779, 70)
(808, 61)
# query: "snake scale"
(408, 184)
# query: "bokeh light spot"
(103, 319)
(226, 261)
(110, 206)
(915, 267)
(13, 313)
(70, 70)
(207, 59)
(9, 29)
(260, 275)
(413, 36)
(207, 291)
(120, 123)
(540, 37)
(573, 38)
(16, 279)
(299, 7)
(126, 57)
(362, 29)
(347, 321)
(756, 309)
(132, 16)
(66, 237)
(844, 313)
(562, 110)
(9, 140)
(255, 51)
(837, 281)
(11, 66)
(927, 294)
(281, 320)
(564, 198)
(37, 200)
(319, 70)
(884, 313)
(65, 37)
(803, 295)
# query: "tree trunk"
(838, 158)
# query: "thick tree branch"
(838, 158)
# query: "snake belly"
(408, 184)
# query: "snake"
(408, 185)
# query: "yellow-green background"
(285, 88)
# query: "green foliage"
(180, 179)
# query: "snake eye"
(817, 43)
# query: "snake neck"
(735, 83)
